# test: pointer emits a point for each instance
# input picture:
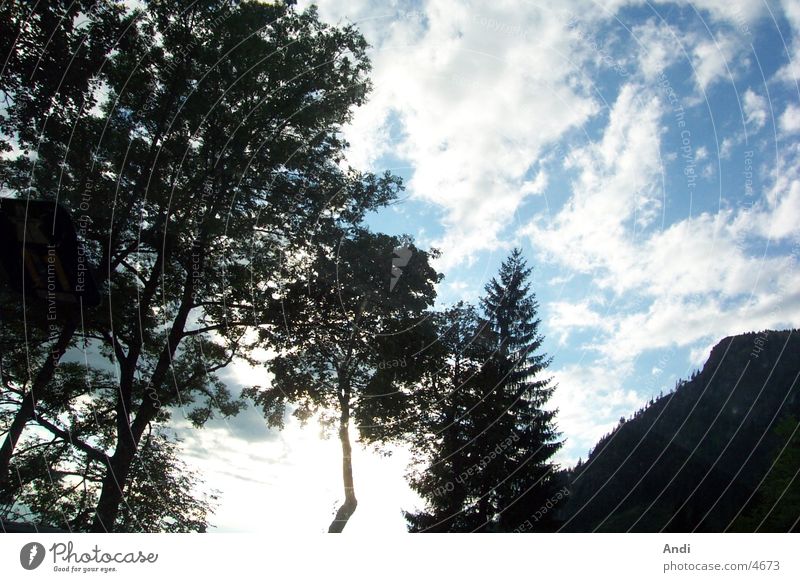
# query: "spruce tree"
(523, 471)
(481, 437)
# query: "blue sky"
(645, 157)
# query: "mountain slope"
(699, 459)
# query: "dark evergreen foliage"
(494, 436)
(701, 457)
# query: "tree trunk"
(27, 410)
(130, 433)
(349, 506)
(113, 487)
(117, 470)
(24, 414)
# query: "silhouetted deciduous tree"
(346, 330)
(52, 53)
(208, 155)
(58, 485)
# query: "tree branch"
(133, 270)
(66, 435)
(118, 350)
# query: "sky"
(645, 158)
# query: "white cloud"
(699, 355)
(461, 290)
(790, 120)
(712, 60)
(590, 403)
(728, 143)
(683, 322)
(564, 316)
(698, 279)
(463, 86)
(790, 73)
(538, 185)
(776, 217)
(658, 47)
(474, 109)
(755, 110)
(302, 473)
(695, 256)
(615, 194)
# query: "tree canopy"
(484, 450)
(200, 155)
(198, 148)
(347, 329)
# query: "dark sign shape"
(41, 254)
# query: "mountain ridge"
(698, 458)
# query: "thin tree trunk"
(349, 506)
(27, 410)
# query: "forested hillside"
(718, 453)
